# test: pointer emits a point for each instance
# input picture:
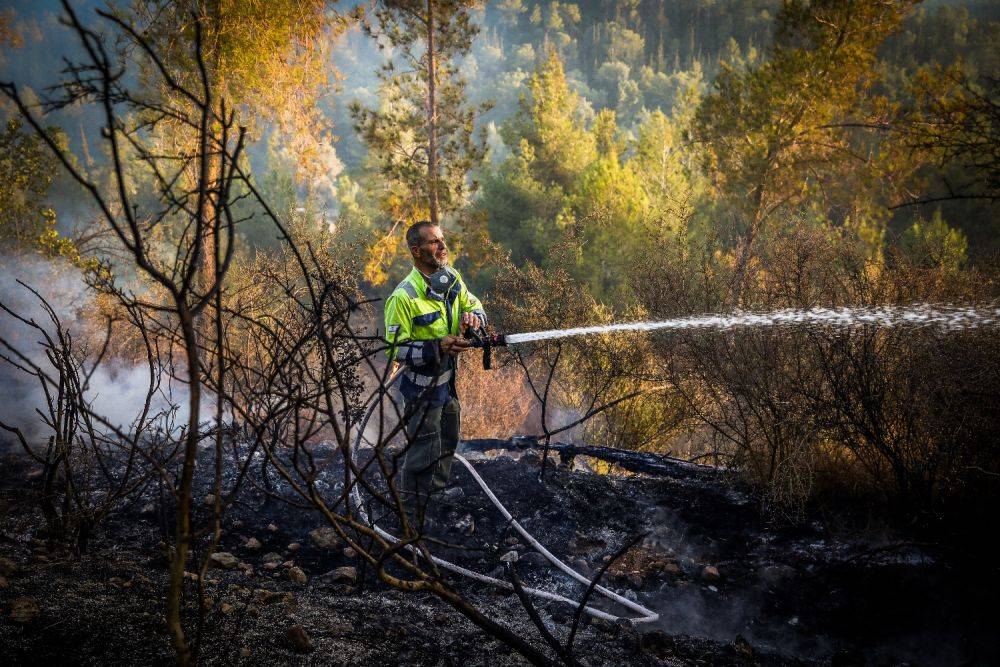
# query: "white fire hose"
(646, 615)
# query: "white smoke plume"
(117, 390)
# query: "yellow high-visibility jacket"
(417, 316)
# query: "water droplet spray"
(942, 316)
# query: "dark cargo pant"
(432, 436)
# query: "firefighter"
(425, 317)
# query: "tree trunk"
(746, 251)
(743, 260)
(209, 266)
(432, 167)
(183, 538)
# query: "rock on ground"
(224, 560)
(325, 537)
(7, 566)
(299, 639)
(24, 610)
(346, 573)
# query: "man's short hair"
(413, 232)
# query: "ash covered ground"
(730, 588)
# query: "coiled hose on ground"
(646, 615)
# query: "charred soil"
(730, 587)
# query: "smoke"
(117, 390)
(560, 415)
(21, 396)
(721, 610)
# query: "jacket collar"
(416, 278)
(419, 280)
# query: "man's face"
(432, 250)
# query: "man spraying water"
(424, 318)
(431, 308)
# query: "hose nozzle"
(487, 341)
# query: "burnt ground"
(731, 588)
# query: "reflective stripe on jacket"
(416, 319)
